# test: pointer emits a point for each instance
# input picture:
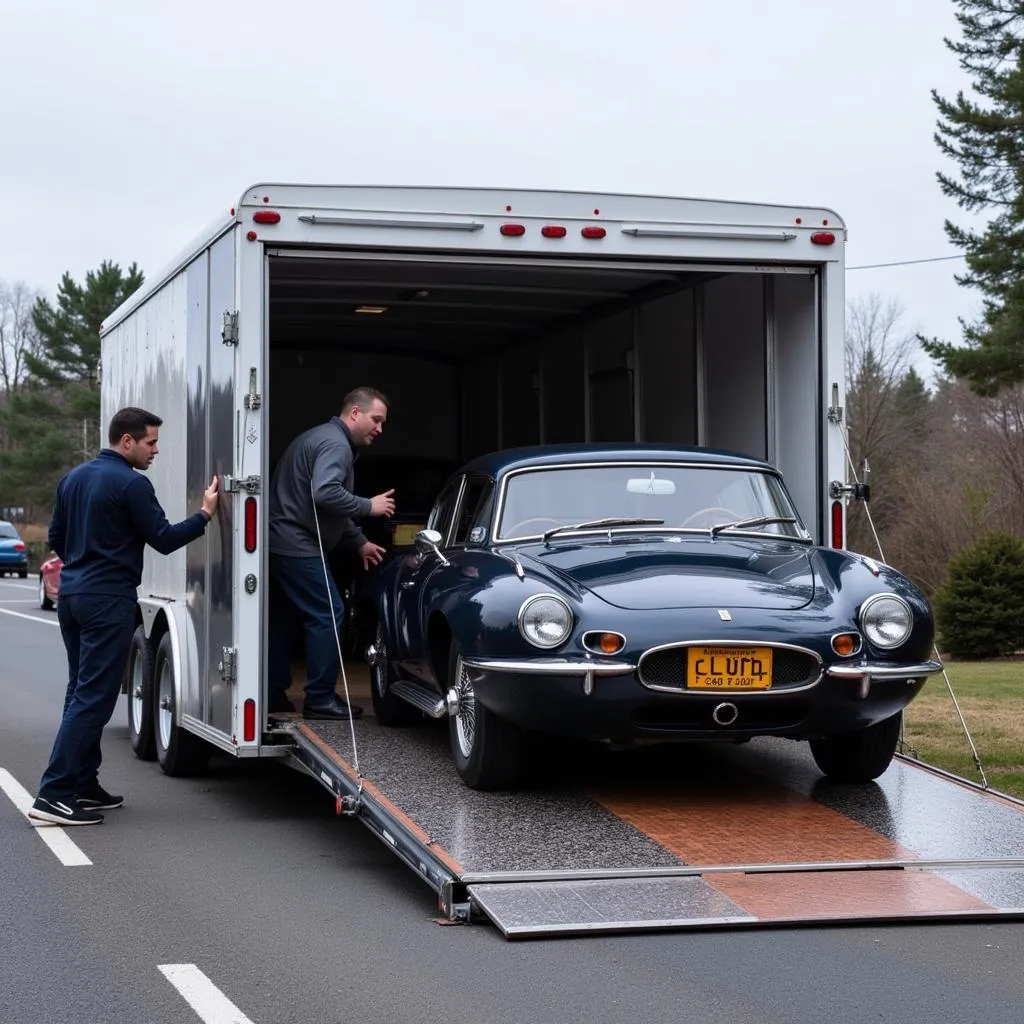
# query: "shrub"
(979, 610)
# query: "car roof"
(496, 463)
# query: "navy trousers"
(298, 598)
(97, 634)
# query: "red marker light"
(513, 229)
(266, 216)
(837, 524)
(251, 235)
(823, 238)
(593, 232)
(553, 231)
(249, 720)
(250, 524)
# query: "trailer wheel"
(179, 752)
(389, 709)
(140, 697)
(488, 751)
(858, 756)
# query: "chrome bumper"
(866, 674)
(551, 666)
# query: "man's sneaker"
(98, 799)
(57, 812)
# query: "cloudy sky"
(129, 126)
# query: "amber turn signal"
(845, 644)
(604, 643)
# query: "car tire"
(390, 710)
(139, 687)
(44, 602)
(858, 756)
(180, 753)
(487, 751)
(23, 574)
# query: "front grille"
(667, 667)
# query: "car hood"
(691, 572)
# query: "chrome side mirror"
(429, 542)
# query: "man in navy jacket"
(105, 515)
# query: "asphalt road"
(289, 914)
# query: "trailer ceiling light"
(823, 238)
(594, 232)
(374, 310)
(266, 217)
(553, 231)
(513, 229)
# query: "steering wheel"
(707, 511)
(533, 519)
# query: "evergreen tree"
(986, 139)
(53, 421)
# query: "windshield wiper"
(758, 521)
(593, 524)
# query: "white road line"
(31, 618)
(202, 995)
(18, 600)
(18, 586)
(53, 835)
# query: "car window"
(8, 532)
(474, 500)
(683, 496)
(444, 509)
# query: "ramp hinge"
(228, 664)
(236, 484)
(229, 332)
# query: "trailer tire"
(179, 752)
(858, 756)
(139, 679)
(389, 709)
(487, 750)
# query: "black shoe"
(59, 812)
(335, 709)
(98, 799)
(280, 704)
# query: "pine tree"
(986, 139)
(53, 421)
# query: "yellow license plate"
(729, 668)
(405, 533)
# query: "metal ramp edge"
(551, 904)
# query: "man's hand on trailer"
(211, 498)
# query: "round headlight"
(886, 620)
(545, 620)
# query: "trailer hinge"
(253, 399)
(228, 663)
(229, 332)
(835, 410)
(236, 484)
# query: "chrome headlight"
(886, 620)
(545, 620)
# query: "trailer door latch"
(235, 484)
(229, 330)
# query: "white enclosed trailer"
(492, 318)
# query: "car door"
(410, 636)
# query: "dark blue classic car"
(636, 594)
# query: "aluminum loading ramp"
(677, 838)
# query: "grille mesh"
(668, 668)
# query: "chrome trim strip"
(390, 222)
(772, 692)
(866, 671)
(551, 666)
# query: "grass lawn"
(991, 698)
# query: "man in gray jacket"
(311, 487)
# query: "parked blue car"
(13, 551)
(633, 595)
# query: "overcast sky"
(129, 126)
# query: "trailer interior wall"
(478, 356)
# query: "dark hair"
(363, 397)
(131, 421)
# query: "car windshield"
(681, 497)
(8, 532)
